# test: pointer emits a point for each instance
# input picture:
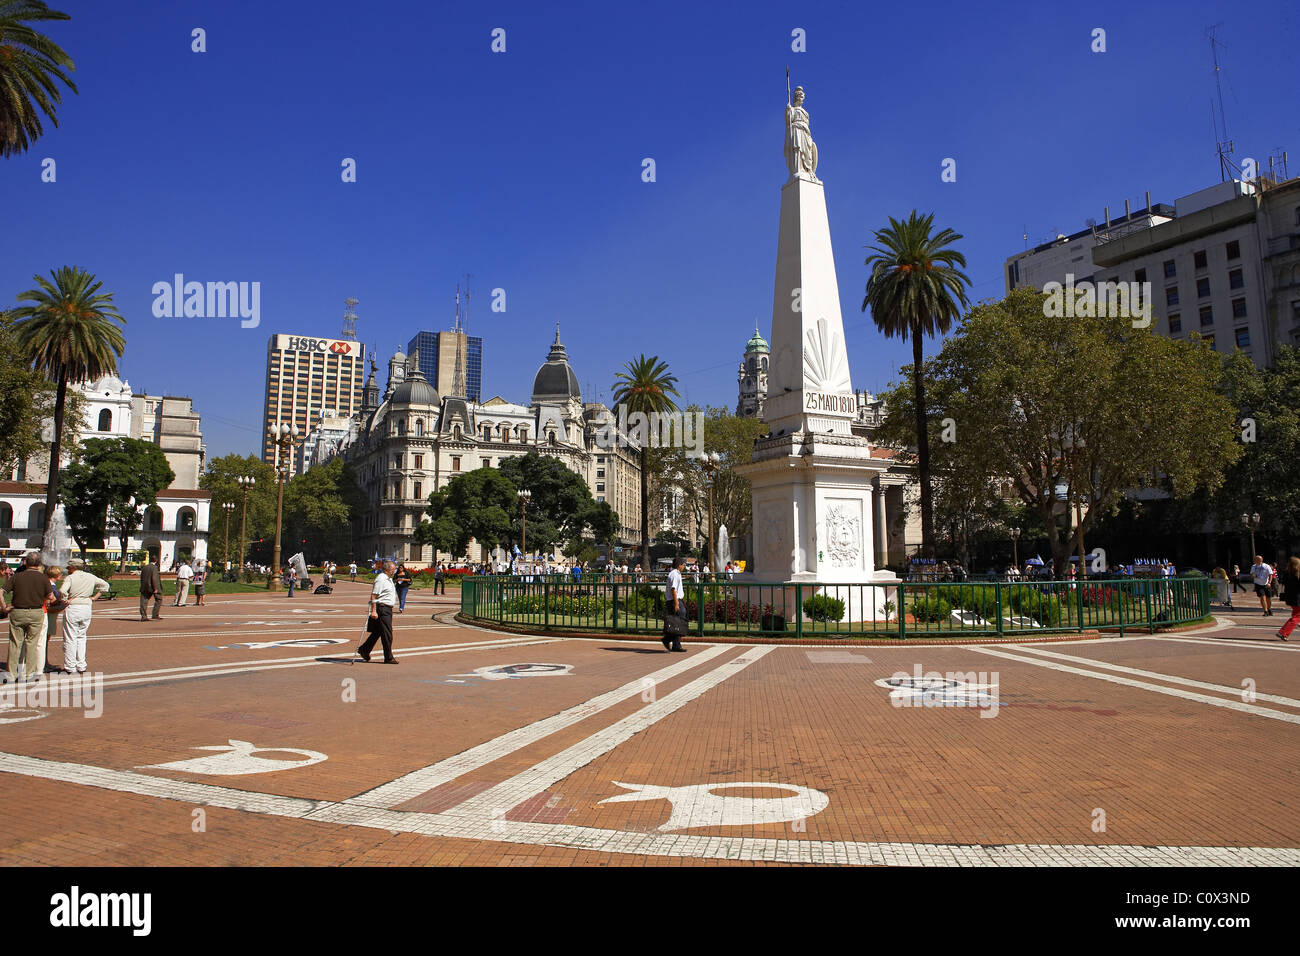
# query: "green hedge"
(822, 607)
(931, 607)
(532, 604)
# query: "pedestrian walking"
(439, 580)
(78, 590)
(1236, 579)
(352, 570)
(29, 588)
(1290, 581)
(292, 578)
(401, 581)
(1262, 575)
(674, 608)
(200, 584)
(151, 587)
(383, 595)
(184, 575)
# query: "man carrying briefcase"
(675, 626)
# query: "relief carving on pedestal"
(776, 529)
(843, 537)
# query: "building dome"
(415, 390)
(555, 381)
(756, 344)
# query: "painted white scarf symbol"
(699, 807)
(237, 758)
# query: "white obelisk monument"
(811, 476)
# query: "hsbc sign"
(297, 343)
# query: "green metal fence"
(723, 608)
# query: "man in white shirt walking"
(184, 574)
(78, 589)
(1261, 574)
(674, 604)
(383, 596)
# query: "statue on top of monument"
(800, 150)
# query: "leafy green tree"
(915, 289)
(108, 483)
(319, 506)
(1067, 412)
(30, 63)
(28, 406)
(645, 386)
(1265, 478)
(477, 504)
(732, 437)
(66, 332)
(561, 505)
(219, 478)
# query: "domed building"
(414, 441)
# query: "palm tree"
(66, 332)
(915, 289)
(645, 386)
(29, 64)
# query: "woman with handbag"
(54, 606)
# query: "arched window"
(763, 363)
(419, 428)
(153, 519)
(401, 427)
(6, 516)
(105, 420)
(550, 437)
(185, 519)
(456, 433)
(36, 518)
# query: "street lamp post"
(284, 437)
(524, 497)
(711, 462)
(246, 483)
(1015, 547)
(1252, 523)
(227, 507)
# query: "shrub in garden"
(103, 569)
(931, 607)
(1041, 605)
(822, 607)
(723, 611)
(563, 604)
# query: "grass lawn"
(130, 588)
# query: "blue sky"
(523, 168)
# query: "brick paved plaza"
(218, 743)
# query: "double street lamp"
(1251, 523)
(246, 483)
(524, 496)
(284, 437)
(227, 507)
(711, 461)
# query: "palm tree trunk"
(645, 509)
(922, 447)
(52, 481)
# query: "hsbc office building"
(307, 377)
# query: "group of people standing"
(33, 598)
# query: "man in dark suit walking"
(151, 587)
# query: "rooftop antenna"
(462, 328)
(1024, 229)
(350, 319)
(1223, 145)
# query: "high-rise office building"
(437, 352)
(306, 376)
